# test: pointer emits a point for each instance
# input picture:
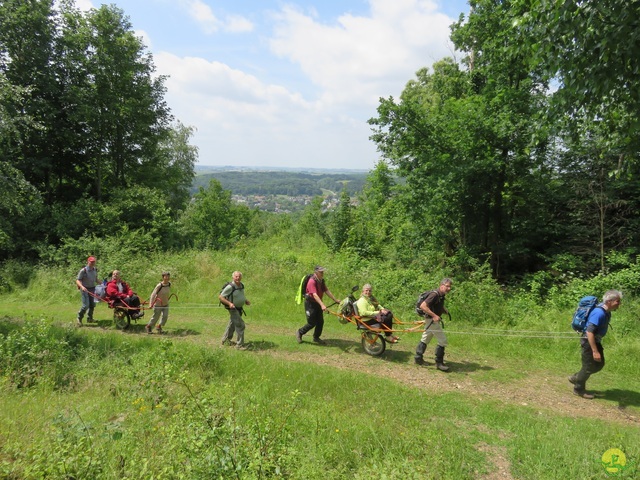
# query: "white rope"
(522, 331)
(551, 335)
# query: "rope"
(516, 334)
(419, 326)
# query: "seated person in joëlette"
(369, 307)
(120, 294)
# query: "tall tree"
(130, 116)
(172, 172)
(463, 140)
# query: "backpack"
(233, 289)
(302, 290)
(85, 274)
(581, 315)
(423, 296)
(100, 292)
(346, 309)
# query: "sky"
(270, 83)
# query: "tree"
(212, 221)
(463, 140)
(341, 223)
(590, 46)
(20, 202)
(130, 116)
(173, 171)
(91, 85)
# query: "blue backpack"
(580, 317)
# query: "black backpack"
(423, 296)
(233, 289)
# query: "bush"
(35, 352)
(15, 274)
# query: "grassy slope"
(504, 410)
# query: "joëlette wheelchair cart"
(372, 336)
(122, 313)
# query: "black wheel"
(373, 343)
(121, 319)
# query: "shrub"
(33, 353)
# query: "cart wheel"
(121, 319)
(373, 343)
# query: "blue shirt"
(598, 322)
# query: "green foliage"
(212, 220)
(586, 42)
(20, 209)
(140, 210)
(15, 274)
(341, 222)
(102, 133)
(34, 353)
(282, 182)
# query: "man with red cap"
(86, 281)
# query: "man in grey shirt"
(86, 281)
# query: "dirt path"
(545, 393)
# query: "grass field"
(99, 403)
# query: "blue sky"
(270, 83)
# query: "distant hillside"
(282, 182)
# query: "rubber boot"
(420, 349)
(440, 359)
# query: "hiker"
(233, 298)
(314, 307)
(120, 294)
(369, 307)
(159, 301)
(591, 342)
(432, 307)
(86, 281)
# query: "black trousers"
(315, 318)
(589, 365)
(382, 319)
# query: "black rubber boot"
(440, 359)
(420, 349)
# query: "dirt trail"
(545, 393)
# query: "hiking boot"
(224, 342)
(299, 336)
(241, 347)
(418, 360)
(319, 341)
(147, 328)
(572, 379)
(442, 367)
(588, 396)
(159, 329)
(78, 323)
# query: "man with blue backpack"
(594, 328)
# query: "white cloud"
(360, 58)
(237, 24)
(353, 61)
(242, 120)
(84, 5)
(210, 23)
